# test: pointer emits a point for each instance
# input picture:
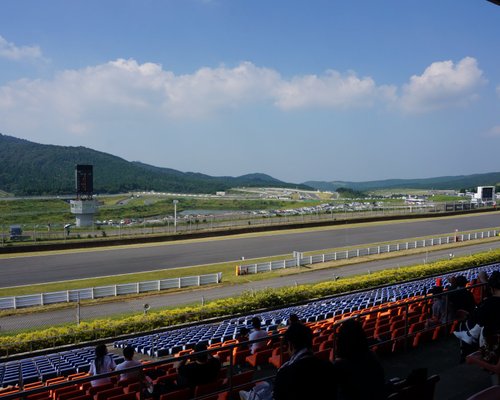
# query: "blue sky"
(300, 90)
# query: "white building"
(485, 193)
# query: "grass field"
(44, 211)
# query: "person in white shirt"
(257, 333)
(102, 364)
(128, 353)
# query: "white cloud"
(333, 90)
(493, 132)
(10, 51)
(210, 89)
(443, 84)
(75, 102)
(76, 99)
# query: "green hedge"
(246, 302)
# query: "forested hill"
(28, 168)
(439, 183)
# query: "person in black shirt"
(204, 369)
(304, 376)
(359, 374)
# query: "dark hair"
(494, 280)
(351, 340)
(436, 290)
(243, 331)
(100, 352)
(293, 319)
(256, 322)
(128, 352)
(198, 348)
(461, 281)
(299, 336)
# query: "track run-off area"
(28, 269)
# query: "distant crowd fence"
(68, 296)
(299, 259)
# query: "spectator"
(438, 310)
(128, 354)
(293, 319)
(304, 376)
(102, 364)
(480, 293)
(487, 316)
(242, 335)
(460, 300)
(204, 368)
(359, 374)
(257, 333)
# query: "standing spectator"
(128, 354)
(257, 333)
(359, 374)
(102, 364)
(304, 376)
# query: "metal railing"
(68, 296)
(300, 260)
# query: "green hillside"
(439, 183)
(28, 168)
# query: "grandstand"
(393, 318)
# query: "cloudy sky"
(300, 90)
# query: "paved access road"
(41, 268)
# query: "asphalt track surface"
(43, 268)
(199, 295)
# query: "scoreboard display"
(84, 180)
(487, 193)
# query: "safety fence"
(67, 296)
(299, 259)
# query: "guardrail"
(67, 296)
(300, 260)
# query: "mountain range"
(440, 183)
(30, 169)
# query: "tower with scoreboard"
(84, 206)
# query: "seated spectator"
(293, 319)
(128, 354)
(204, 368)
(486, 316)
(257, 333)
(460, 300)
(438, 310)
(359, 374)
(304, 376)
(242, 335)
(102, 364)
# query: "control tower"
(84, 207)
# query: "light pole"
(175, 215)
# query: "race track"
(31, 269)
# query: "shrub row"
(246, 302)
